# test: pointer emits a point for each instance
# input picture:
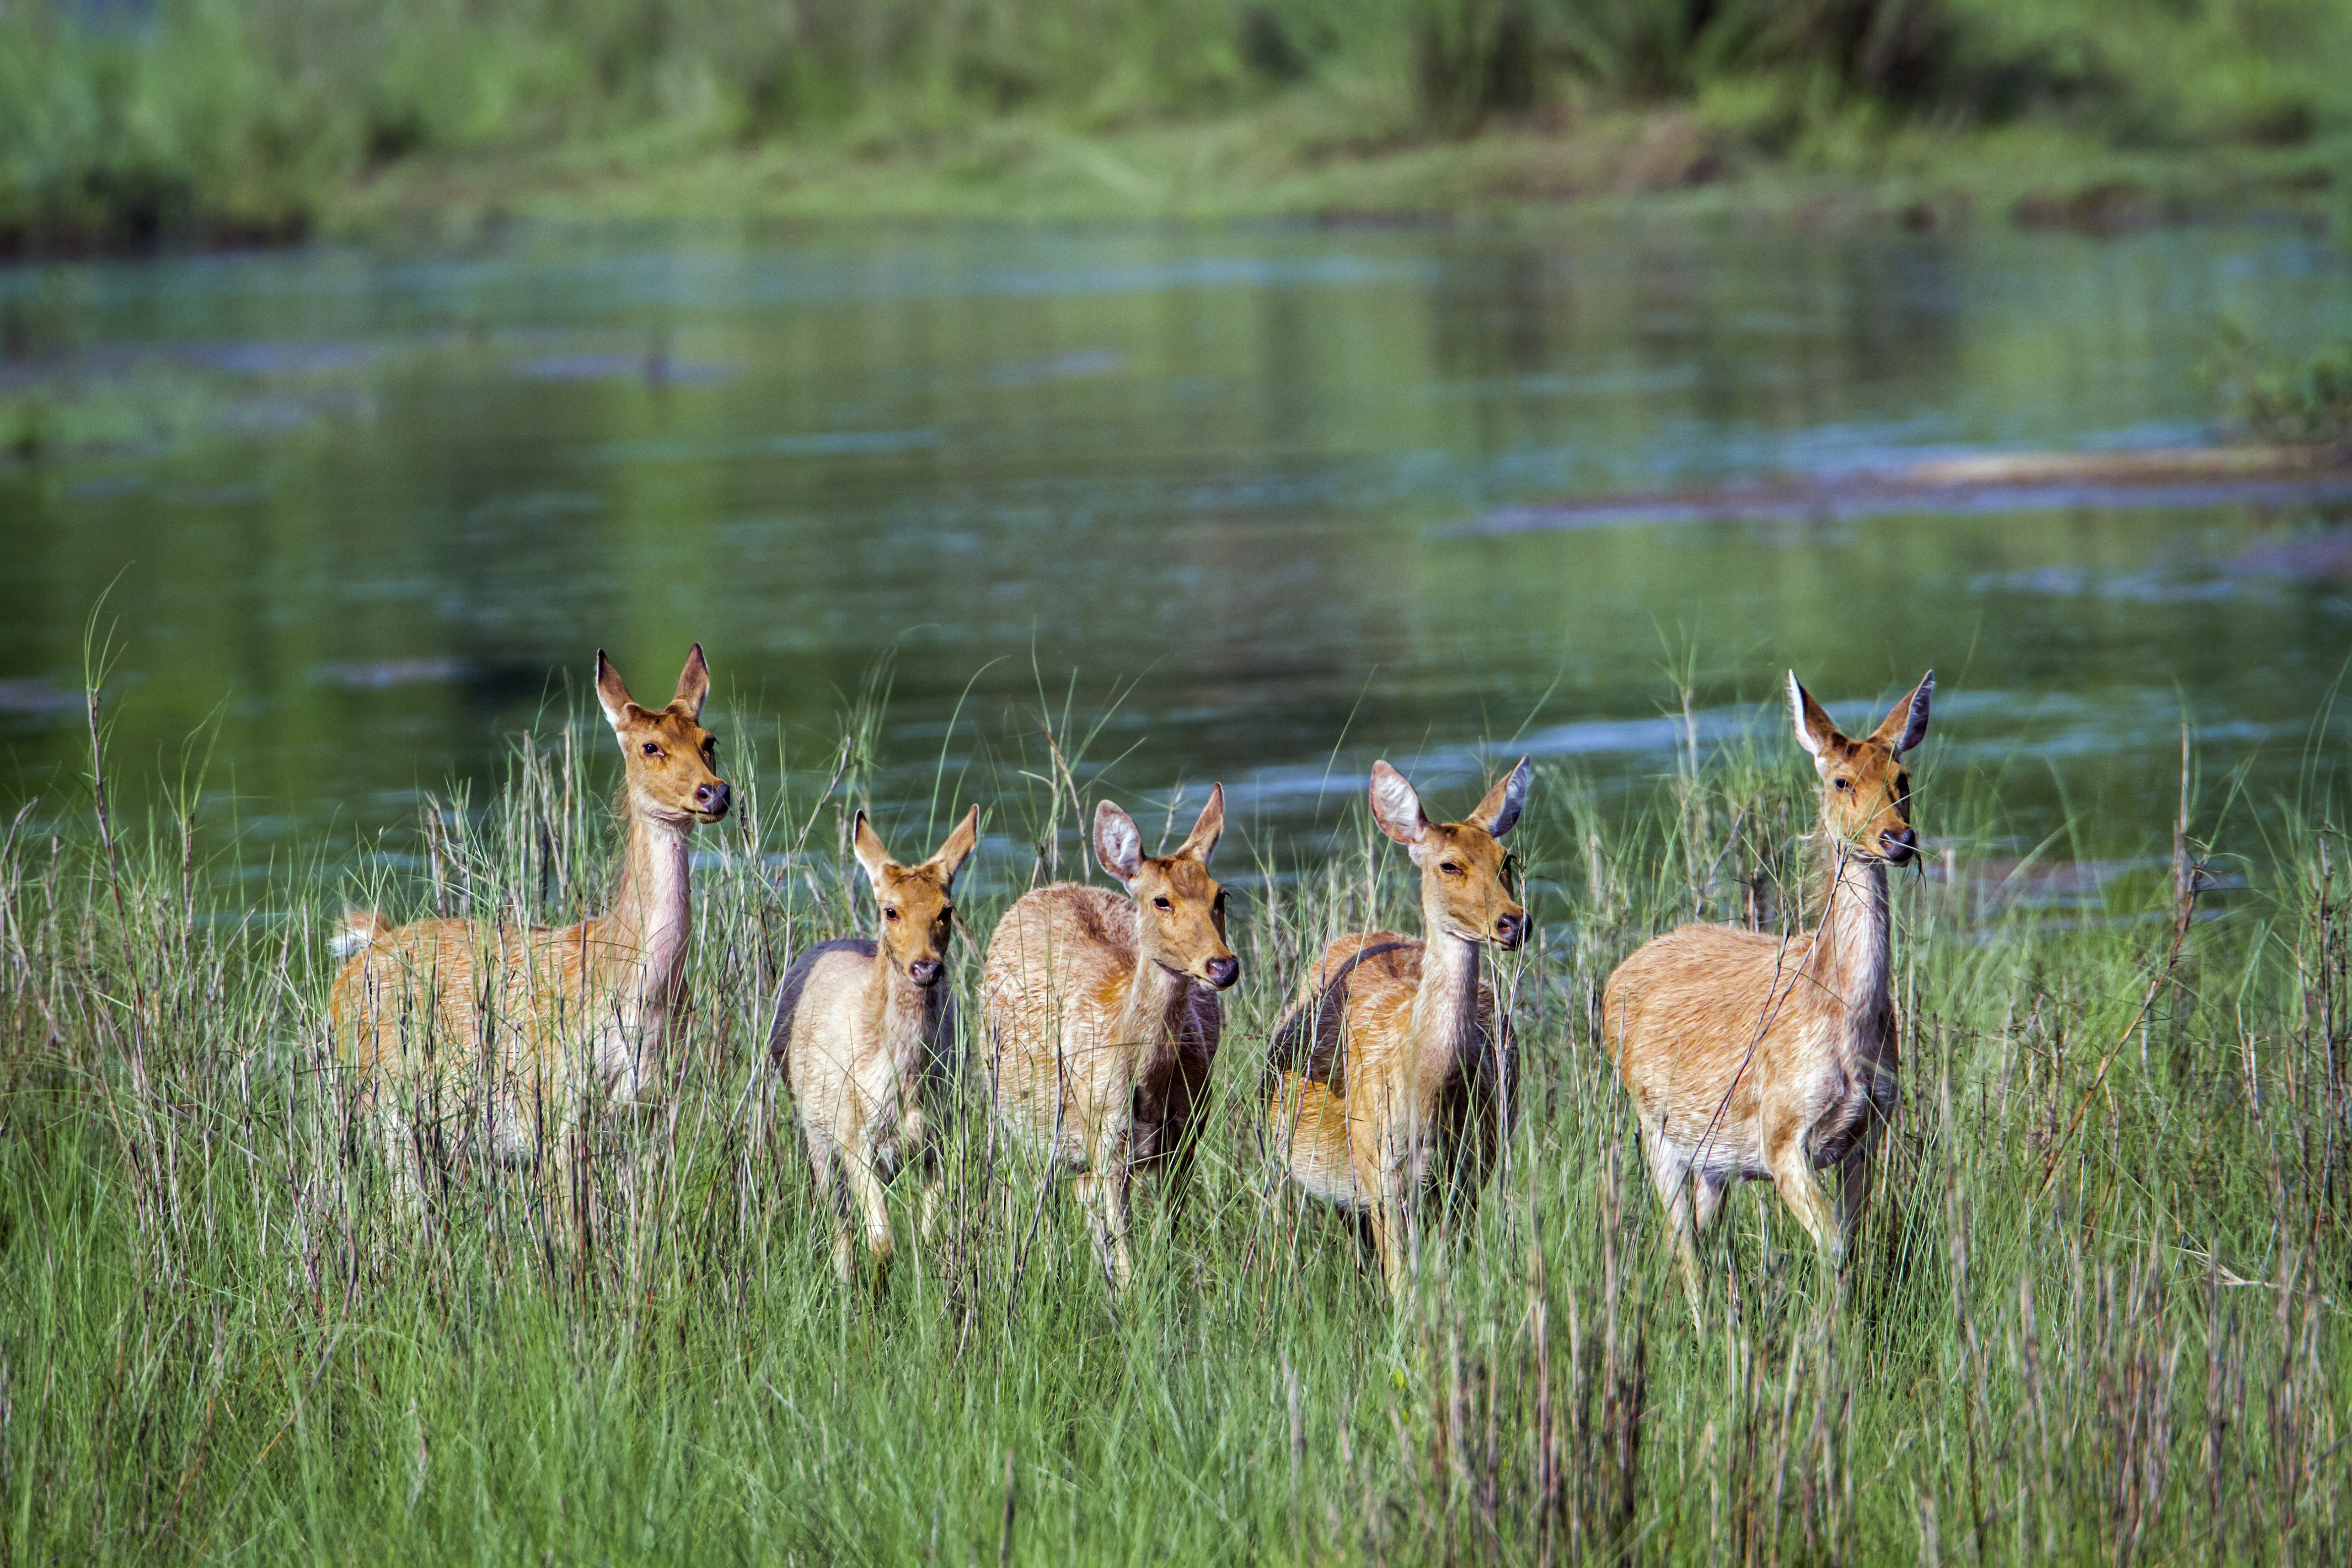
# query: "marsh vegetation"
(176, 121)
(2095, 1312)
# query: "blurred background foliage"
(124, 121)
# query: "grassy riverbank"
(2096, 1314)
(206, 120)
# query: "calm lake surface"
(366, 512)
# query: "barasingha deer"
(1104, 1018)
(1389, 1080)
(1751, 1056)
(472, 1038)
(865, 1027)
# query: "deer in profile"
(1389, 1078)
(864, 1030)
(472, 1038)
(1756, 1057)
(1103, 1017)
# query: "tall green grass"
(239, 120)
(2097, 1314)
(2274, 397)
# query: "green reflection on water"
(373, 510)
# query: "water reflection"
(373, 509)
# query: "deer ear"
(868, 845)
(1501, 808)
(612, 696)
(693, 684)
(957, 847)
(1906, 725)
(1396, 806)
(1814, 729)
(1116, 843)
(1202, 842)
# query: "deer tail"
(356, 932)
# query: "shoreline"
(1262, 164)
(2164, 477)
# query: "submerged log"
(1993, 481)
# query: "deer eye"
(1450, 868)
(651, 750)
(890, 913)
(1844, 784)
(1162, 903)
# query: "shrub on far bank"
(209, 119)
(2133, 71)
(2305, 400)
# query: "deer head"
(1465, 870)
(1180, 907)
(669, 758)
(1865, 789)
(918, 917)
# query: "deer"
(1103, 1017)
(1388, 1081)
(470, 1037)
(863, 1030)
(1750, 1057)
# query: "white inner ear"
(1515, 800)
(1397, 807)
(1796, 711)
(1119, 843)
(1915, 727)
(873, 860)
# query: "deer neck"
(645, 931)
(902, 1014)
(1445, 1007)
(1156, 999)
(1852, 957)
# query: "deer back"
(1059, 967)
(466, 997)
(1715, 1027)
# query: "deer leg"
(1103, 1190)
(873, 1201)
(403, 1167)
(1389, 1240)
(562, 1171)
(1853, 1191)
(1104, 1196)
(1793, 1179)
(1396, 1218)
(824, 1165)
(1707, 1200)
(1671, 1174)
(1176, 1176)
(927, 1153)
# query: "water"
(364, 512)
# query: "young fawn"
(1104, 1016)
(475, 1038)
(1389, 1078)
(1756, 1057)
(863, 1028)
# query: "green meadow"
(159, 122)
(2096, 1313)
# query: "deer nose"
(923, 971)
(1223, 971)
(1510, 928)
(1898, 843)
(711, 798)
